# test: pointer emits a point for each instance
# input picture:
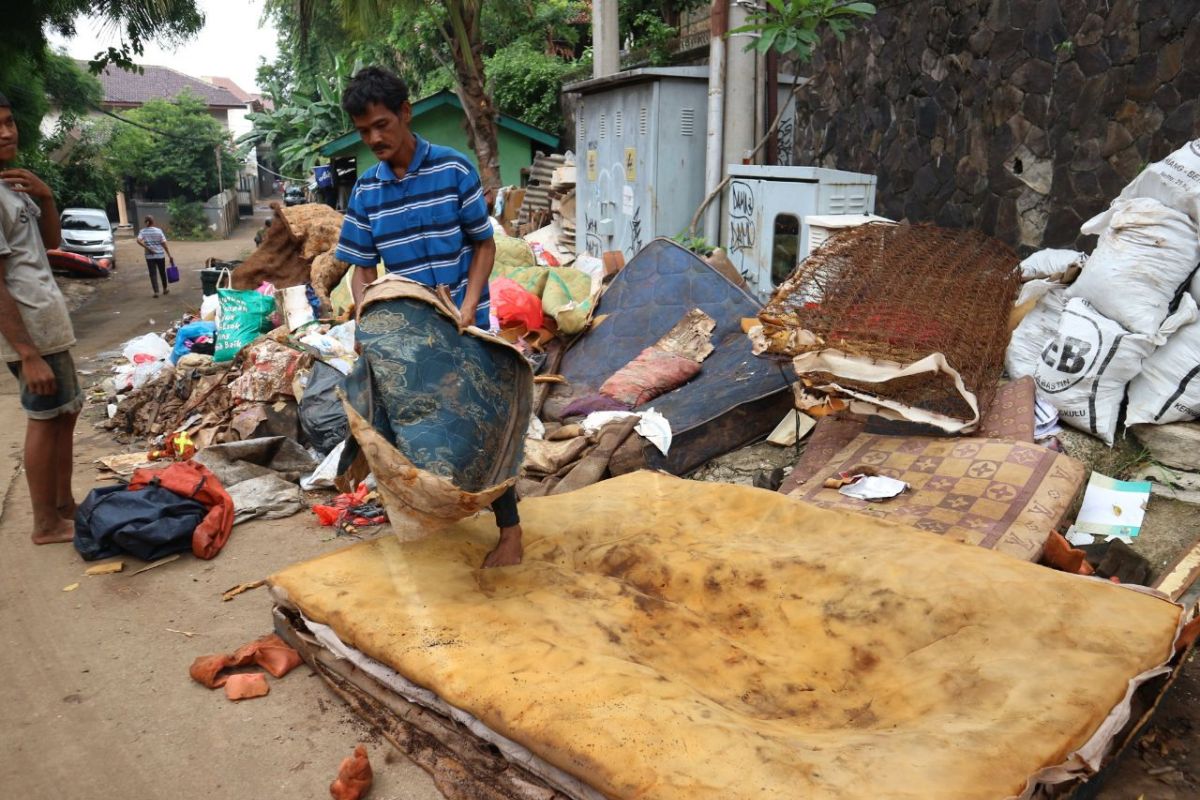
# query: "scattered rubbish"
(229, 594)
(873, 488)
(897, 345)
(1114, 559)
(1113, 508)
(1059, 554)
(246, 686)
(147, 523)
(260, 475)
(70, 587)
(322, 417)
(268, 652)
(155, 564)
(652, 426)
(350, 510)
(1045, 418)
(188, 634)
(194, 482)
(124, 464)
(1078, 537)
(105, 569)
(326, 473)
(794, 426)
(1045, 263)
(354, 776)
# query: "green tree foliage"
(526, 84)
(793, 27)
(170, 149)
(74, 163)
(306, 116)
(30, 70)
(34, 82)
(139, 21)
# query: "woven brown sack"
(911, 319)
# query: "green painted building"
(440, 119)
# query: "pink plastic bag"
(514, 305)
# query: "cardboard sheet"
(675, 639)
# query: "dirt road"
(96, 701)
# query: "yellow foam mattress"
(668, 638)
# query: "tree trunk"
(466, 48)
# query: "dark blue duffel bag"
(146, 523)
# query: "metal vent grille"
(618, 125)
(579, 129)
(643, 121)
(603, 126)
(687, 121)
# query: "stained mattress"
(676, 639)
(737, 397)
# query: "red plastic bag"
(514, 305)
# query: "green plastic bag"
(244, 315)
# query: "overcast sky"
(229, 46)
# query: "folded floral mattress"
(668, 638)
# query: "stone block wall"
(1022, 118)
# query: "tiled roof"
(230, 86)
(160, 83)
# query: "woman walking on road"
(154, 242)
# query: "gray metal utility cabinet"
(764, 231)
(639, 150)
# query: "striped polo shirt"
(422, 226)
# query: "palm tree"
(460, 29)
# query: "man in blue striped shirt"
(420, 211)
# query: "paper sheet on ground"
(1113, 508)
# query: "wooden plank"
(1182, 574)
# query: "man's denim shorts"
(68, 396)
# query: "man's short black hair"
(4, 101)
(374, 85)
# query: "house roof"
(229, 85)
(449, 98)
(123, 88)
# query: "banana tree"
(311, 117)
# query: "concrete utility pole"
(606, 42)
(740, 98)
(714, 149)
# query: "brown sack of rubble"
(279, 259)
(318, 225)
(326, 273)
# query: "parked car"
(294, 197)
(88, 232)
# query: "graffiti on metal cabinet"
(635, 231)
(743, 225)
(602, 203)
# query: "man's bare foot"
(508, 551)
(64, 531)
(67, 511)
